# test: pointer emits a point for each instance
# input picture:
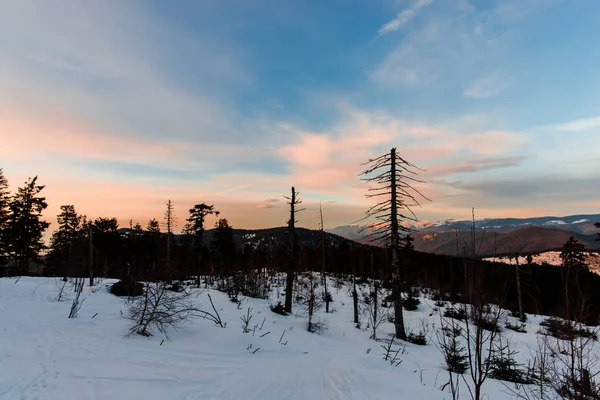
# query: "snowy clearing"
(45, 355)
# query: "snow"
(552, 258)
(555, 222)
(45, 355)
(580, 221)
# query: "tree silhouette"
(4, 215)
(195, 225)
(392, 177)
(293, 201)
(25, 227)
(63, 240)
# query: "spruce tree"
(25, 226)
(195, 225)
(4, 214)
(63, 239)
(222, 244)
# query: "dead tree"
(169, 225)
(91, 260)
(393, 179)
(327, 296)
(293, 201)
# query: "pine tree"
(25, 227)
(222, 243)
(153, 226)
(4, 214)
(63, 239)
(195, 225)
(573, 255)
(108, 246)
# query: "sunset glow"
(119, 106)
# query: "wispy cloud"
(579, 125)
(403, 17)
(488, 86)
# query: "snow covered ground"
(552, 258)
(45, 355)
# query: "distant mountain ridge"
(495, 235)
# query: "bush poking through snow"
(127, 287)
(503, 365)
(455, 353)
(411, 303)
(246, 321)
(517, 326)
(160, 308)
(278, 309)
(456, 313)
(77, 303)
(417, 338)
(566, 330)
(393, 354)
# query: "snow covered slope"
(552, 258)
(45, 355)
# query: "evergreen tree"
(195, 225)
(4, 214)
(108, 247)
(222, 244)
(69, 228)
(25, 227)
(573, 255)
(64, 239)
(153, 226)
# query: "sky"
(118, 106)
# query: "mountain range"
(493, 236)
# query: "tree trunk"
(327, 296)
(91, 260)
(519, 295)
(289, 287)
(400, 331)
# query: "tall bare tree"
(327, 296)
(169, 223)
(293, 201)
(392, 178)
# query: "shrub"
(566, 330)
(517, 326)
(504, 367)
(278, 309)
(127, 287)
(411, 303)
(417, 338)
(455, 313)
(455, 354)
(488, 323)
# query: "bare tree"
(91, 255)
(371, 302)
(162, 308)
(77, 301)
(393, 179)
(293, 201)
(169, 223)
(327, 295)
